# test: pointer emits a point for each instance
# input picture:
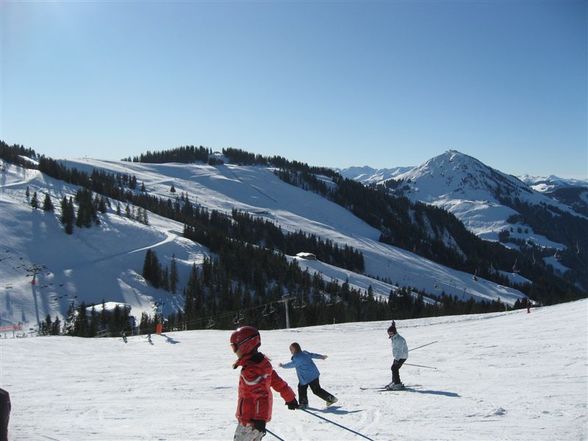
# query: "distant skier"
(308, 375)
(400, 354)
(254, 407)
(4, 414)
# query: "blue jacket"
(305, 367)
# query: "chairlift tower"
(285, 301)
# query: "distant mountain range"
(368, 175)
(494, 205)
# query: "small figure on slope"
(400, 354)
(254, 406)
(308, 375)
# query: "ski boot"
(331, 400)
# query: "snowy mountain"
(104, 262)
(491, 203)
(368, 175)
(551, 183)
(472, 191)
(572, 192)
(502, 376)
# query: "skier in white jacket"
(400, 354)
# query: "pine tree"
(173, 275)
(35, 201)
(172, 189)
(56, 327)
(165, 278)
(28, 193)
(47, 203)
(152, 269)
(67, 215)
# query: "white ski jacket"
(399, 347)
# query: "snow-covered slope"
(572, 192)
(504, 376)
(550, 183)
(100, 263)
(368, 175)
(472, 191)
(105, 262)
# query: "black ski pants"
(4, 414)
(396, 370)
(316, 389)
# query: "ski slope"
(258, 191)
(105, 262)
(502, 376)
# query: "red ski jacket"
(255, 396)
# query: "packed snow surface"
(502, 376)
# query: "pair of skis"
(385, 389)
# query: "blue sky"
(329, 83)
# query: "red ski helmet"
(245, 340)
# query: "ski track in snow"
(503, 376)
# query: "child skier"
(308, 375)
(254, 407)
(400, 354)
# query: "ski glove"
(292, 404)
(259, 425)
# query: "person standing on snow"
(308, 375)
(4, 414)
(254, 406)
(400, 354)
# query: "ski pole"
(337, 424)
(420, 365)
(418, 347)
(274, 435)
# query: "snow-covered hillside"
(503, 376)
(105, 262)
(550, 183)
(100, 263)
(368, 175)
(469, 189)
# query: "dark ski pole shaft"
(274, 435)
(418, 347)
(337, 424)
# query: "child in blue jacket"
(308, 375)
